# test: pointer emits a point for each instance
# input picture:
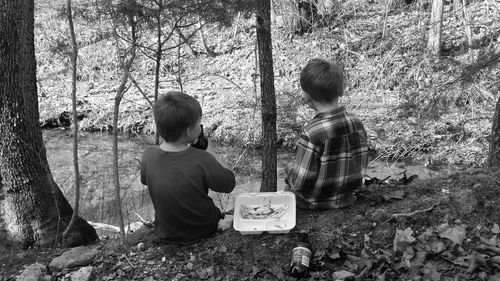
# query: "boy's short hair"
(322, 80)
(174, 112)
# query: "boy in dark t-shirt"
(179, 176)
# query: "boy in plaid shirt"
(332, 151)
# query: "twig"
(406, 215)
(144, 222)
(140, 90)
(131, 264)
(239, 158)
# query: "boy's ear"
(187, 131)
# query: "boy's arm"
(210, 149)
(221, 177)
(304, 173)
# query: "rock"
(76, 257)
(82, 274)
(34, 272)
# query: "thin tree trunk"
(203, 40)
(494, 153)
(466, 22)
(127, 64)
(74, 56)
(268, 97)
(179, 65)
(434, 42)
(33, 210)
(186, 41)
(159, 53)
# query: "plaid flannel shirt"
(332, 154)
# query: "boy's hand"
(225, 223)
(210, 149)
(289, 167)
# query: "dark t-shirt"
(178, 184)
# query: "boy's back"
(178, 183)
(331, 155)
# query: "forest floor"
(448, 231)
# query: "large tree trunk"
(494, 155)
(268, 97)
(33, 211)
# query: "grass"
(405, 98)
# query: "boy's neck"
(325, 107)
(173, 146)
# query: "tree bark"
(434, 42)
(33, 210)
(494, 154)
(268, 97)
(467, 23)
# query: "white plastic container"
(281, 220)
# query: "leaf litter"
(358, 243)
(417, 235)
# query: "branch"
(406, 215)
(140, 90)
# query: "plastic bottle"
(301, 256)
(202, 141)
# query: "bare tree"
(268, 96)
(126, 13)
(434, 40)
(494, 153)
(74, 56)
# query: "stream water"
(97, 188)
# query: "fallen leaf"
(495, 229)
(436, 246)
(416, 264)
(495, 259)
(255, 270)
(456, 234)
(494, 241)
(409, 253)
(396, 194)
(360, 263)
(202, 273)
(210, 271)
(341, 274)
(476, 261)
(318, 255)
(277, 272)
(333, 253)
(463, 261)
(402, 239)
(431, 273)
(426, 235)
